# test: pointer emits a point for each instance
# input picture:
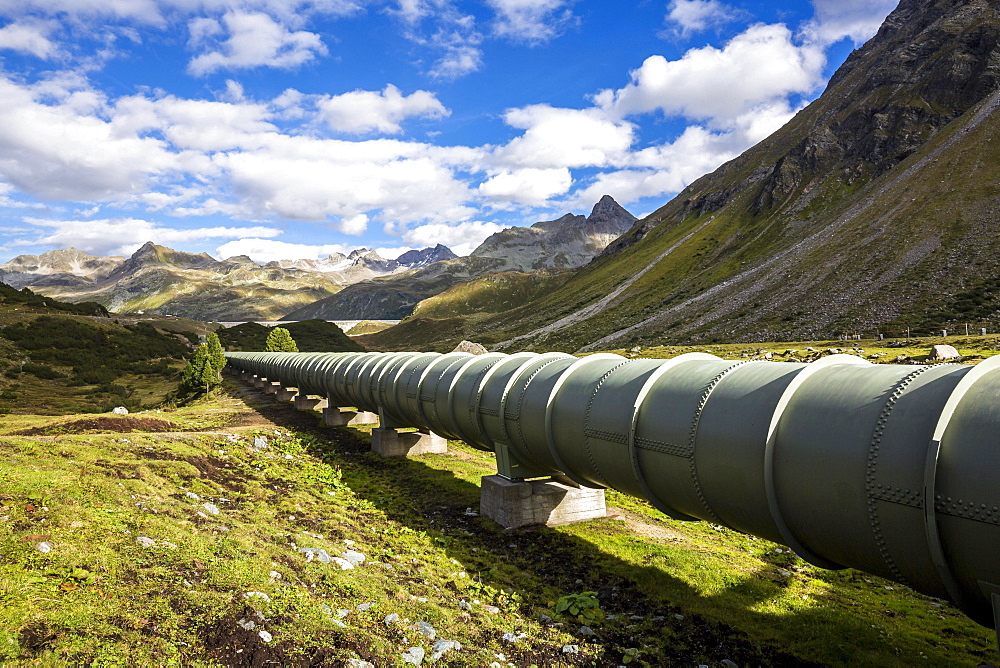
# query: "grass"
(674, 593)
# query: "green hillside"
(310, 336)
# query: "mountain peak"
(607, 207)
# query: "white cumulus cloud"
(29, 36)
(268, 250)
(64, 150)
(123, 236)
(692, 16)
(758, 66)
(531, 21)
(557, 137)
(529, 186)
(364, 111)
(254, 39)
(857, 20)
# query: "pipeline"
(888, 469)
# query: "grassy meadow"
(176, 537)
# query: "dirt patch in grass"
(638, 526)
(116, 424)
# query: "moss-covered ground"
(170, 538)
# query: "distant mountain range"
(156, 279)
(546, 247)
(876, 208)
(360, 285)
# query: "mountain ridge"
(158, 279)
(547, 246)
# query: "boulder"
(942, 353)
(470, 347)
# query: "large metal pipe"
(886, 468)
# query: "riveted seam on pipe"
(635, 442)
(930, 485)
(874, 490)
(525, 453)
(474, 399)
(693, 438)
(769, 485)
(588, 433)
(549, 405)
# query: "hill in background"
(310, 336)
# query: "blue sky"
(296, 128)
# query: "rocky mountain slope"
(68, 267)
(875, 209)
(156, 279)
(570, 241)
(362, 264)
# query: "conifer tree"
(280, 341)
(215, 354)
(199, 375)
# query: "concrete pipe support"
(894, 470)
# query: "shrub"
(41, 371)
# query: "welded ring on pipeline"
(334, 382)
(418, 364)
(549, 435)
(545, 359)
(459, 358)
(355, 373)
(633, 450)
(772, 435)
(450, 405)
(477, 416)
(938, 556)
(387, 390)
(368, 392)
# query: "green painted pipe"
(894, 470)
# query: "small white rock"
(257, 594)
(211, 507)
(344, 564)
(44, 547)
(264, 635)
(414, 655)
(356, 558)
(145, 541)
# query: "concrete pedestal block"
(517, 504)
(258, 382)
(286, 393)
(392, 443)
(271, 387)
(334, 416)
(304, 402)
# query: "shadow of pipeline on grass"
(537, 561)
